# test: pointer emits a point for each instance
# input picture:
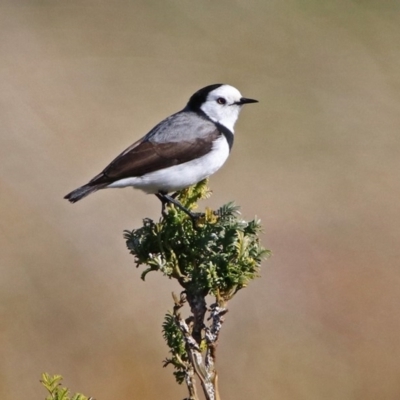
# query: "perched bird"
(180, 151)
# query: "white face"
(221, 105)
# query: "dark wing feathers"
(147, 156)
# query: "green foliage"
(56, 392)
(174, 338)
(219, 254)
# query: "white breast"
(180, 176)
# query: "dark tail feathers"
(82, 192)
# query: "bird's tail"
(82, 192)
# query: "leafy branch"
(217, 255)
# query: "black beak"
(244, 100)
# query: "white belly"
(180, 176)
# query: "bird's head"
(221, 103)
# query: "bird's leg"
(165, 198)
(164, 201)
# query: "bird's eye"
(221, 100)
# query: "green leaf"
(52, 383)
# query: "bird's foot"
(197, 218)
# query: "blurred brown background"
(317, 160)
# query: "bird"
(180, 151)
